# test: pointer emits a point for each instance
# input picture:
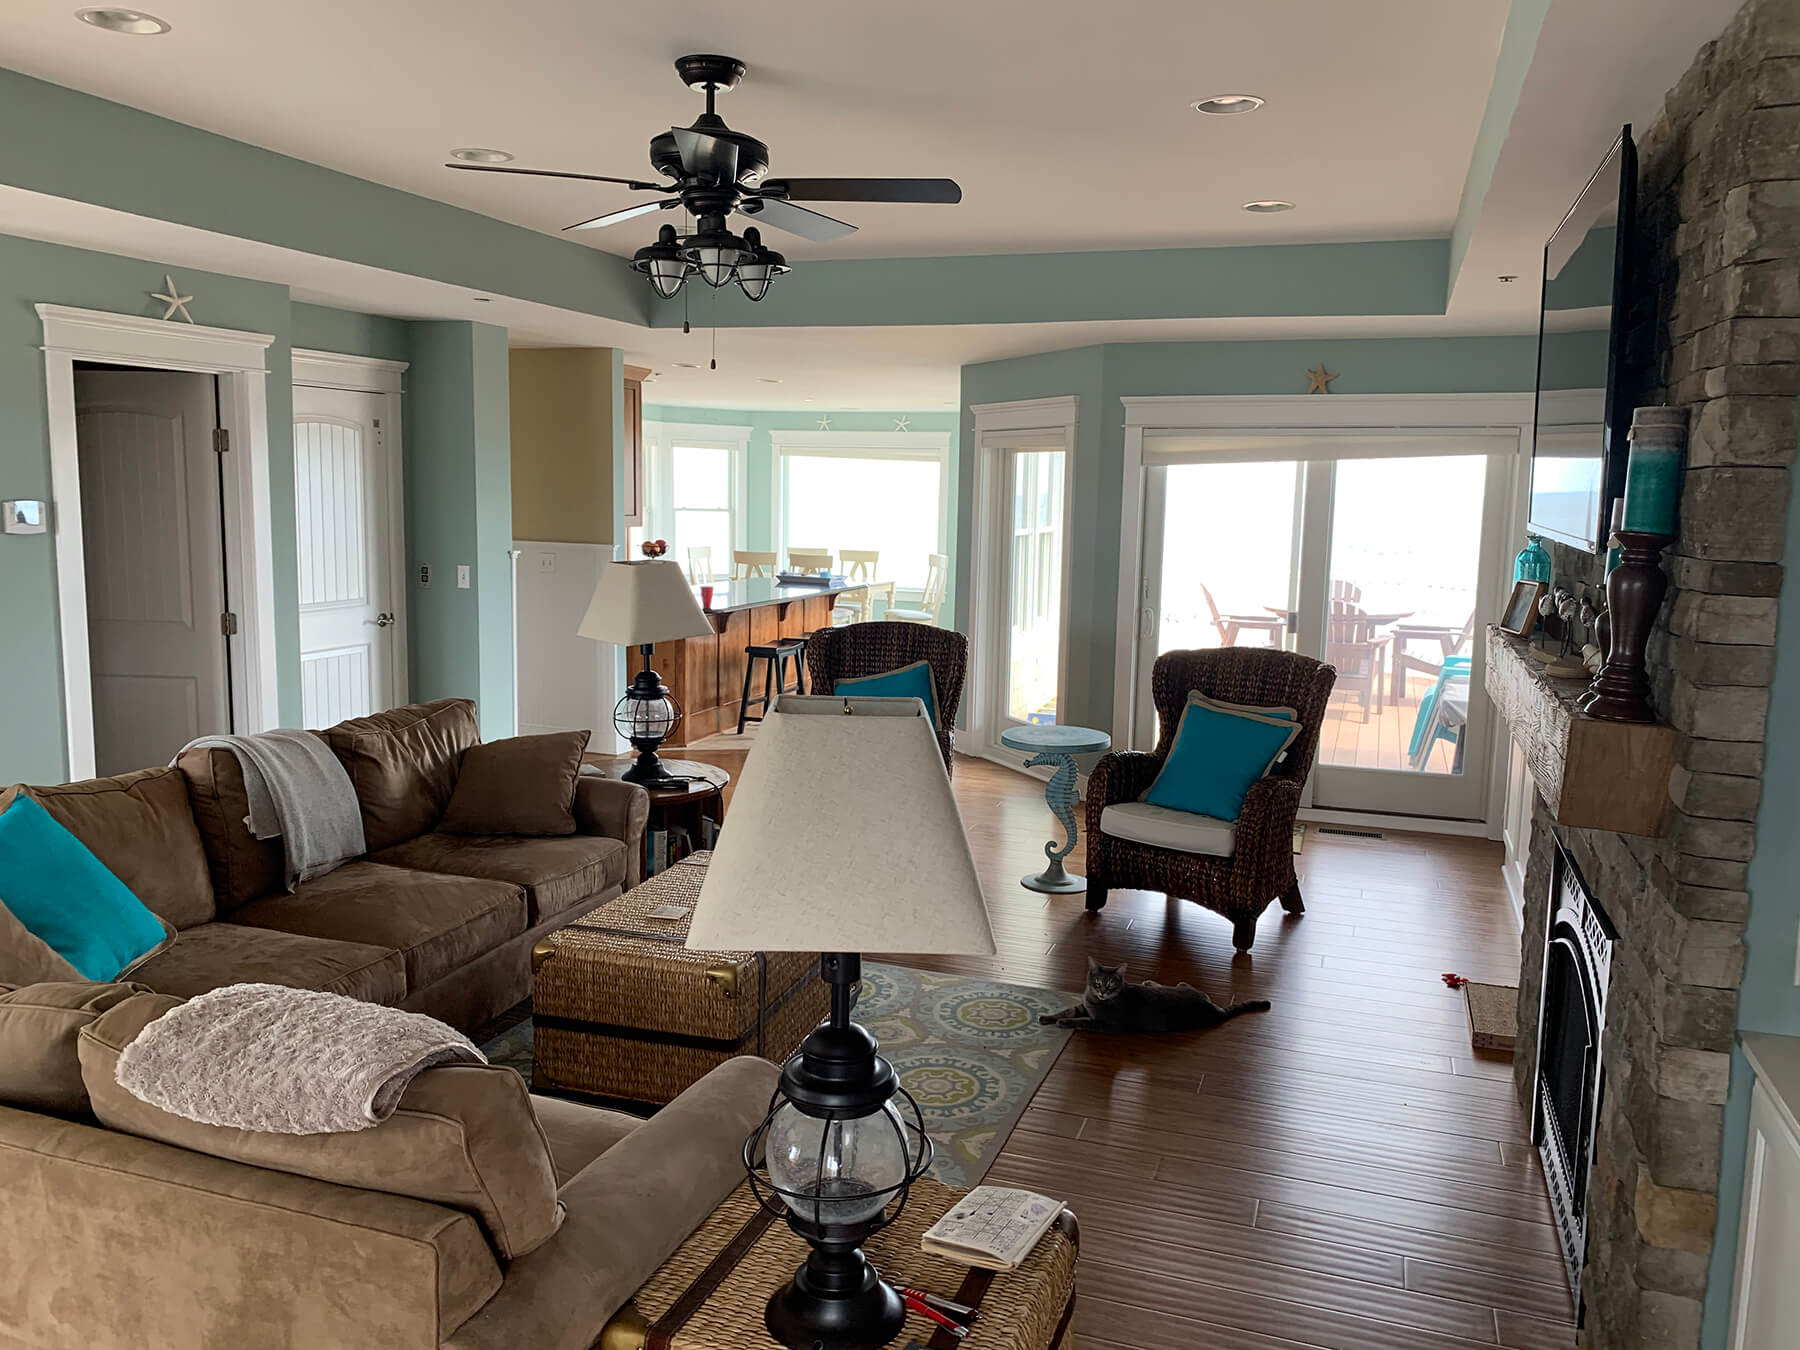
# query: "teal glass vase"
(1533, 562)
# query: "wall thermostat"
(23, 517)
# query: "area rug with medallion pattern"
(971, 1052)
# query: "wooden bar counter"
(706, 674)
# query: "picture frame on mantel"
(1521, 613)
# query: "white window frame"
(659, 441)
(918, 446)
(1290, 415)
(1035, 424)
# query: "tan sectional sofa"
(479, 1217)
(432, 922)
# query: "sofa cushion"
(243, 866)
(463, 1135)
(436, 922)
(521, 785)
(216, 954)
(25, 958)
(578, 1134)
(39, 1067)
(1165, 827)
(141, 826)
(554, 872)
(403, 765)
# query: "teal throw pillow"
(1216, 757)
(67, 898)
(912, 681)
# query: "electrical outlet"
(424, 576)
(462, 576)
(546, 562)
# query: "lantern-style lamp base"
(835, 1301)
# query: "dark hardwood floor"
(1342, 1171)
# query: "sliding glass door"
(1376, 554)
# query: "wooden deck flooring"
(1380, 740)
(1342, 1172)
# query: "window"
(1034, 620)
(885, 491)
(694, 493)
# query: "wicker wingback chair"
(860, 649)
(1261, 866)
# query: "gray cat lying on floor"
(1110, 1004)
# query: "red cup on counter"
(706, 597)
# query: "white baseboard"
(1370, 820)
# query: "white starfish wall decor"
(902, 423)
(177, 302)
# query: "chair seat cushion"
(1165, 827)
(555, 872)
(911, 681)
(216, 954)
(436, 922)
(1216, 757)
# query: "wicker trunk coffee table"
(710, 1294)
(625, 1014)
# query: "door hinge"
(221, 440)
(228, 624)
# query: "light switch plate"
(23, 517)
(462, 576)
(424, 576)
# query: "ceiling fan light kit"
(714, 172)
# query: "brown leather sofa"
(431, 922)
(477, 1217)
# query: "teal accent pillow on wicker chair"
(1216, 756)
(912, 681)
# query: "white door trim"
(374, 375)
(1000, 427)
(1288, 414)
(237, 358)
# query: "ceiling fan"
(715, 171)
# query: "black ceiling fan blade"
(705, 155)
(783, 215)
(625, 213)
(632, 183)
(939, 191)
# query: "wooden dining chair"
(699, 564)
(937, 577)
(860, 564)
(745, 565)
(809, 561)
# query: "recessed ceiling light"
(1268, 208)
(765, 379)
(482, 299)
(479, 154)
(1227, 105)
(133, 21)
(1510, 277)
(687, 365)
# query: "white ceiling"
(1067, 125)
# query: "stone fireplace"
(1571, 1080)
(1719, 216)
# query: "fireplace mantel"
(1591, 774)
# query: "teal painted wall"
(1768, 999)
(459, 511)
(31, 716)
(760, 454)
(1101, 376)
(322, 329)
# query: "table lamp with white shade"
(844, 838)
(639, 604)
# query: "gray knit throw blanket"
(285, 1061)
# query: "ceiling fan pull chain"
(715, 351)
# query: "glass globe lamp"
(758, 266)
(647, 716)
(714, 251)
(841, 1144)
(663, 263)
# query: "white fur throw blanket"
(285, 1061)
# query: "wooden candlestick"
(1634, 594)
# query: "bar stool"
(775, 656)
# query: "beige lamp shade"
(643, 602)
(843, 837)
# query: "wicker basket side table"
(1030, 1308)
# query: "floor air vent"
(1353, 834)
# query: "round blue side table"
(1058, 746)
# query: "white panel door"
(156, 588)
(342, 526)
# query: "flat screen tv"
(1578, 456)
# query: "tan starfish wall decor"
(1319, 381)
(177, 302)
